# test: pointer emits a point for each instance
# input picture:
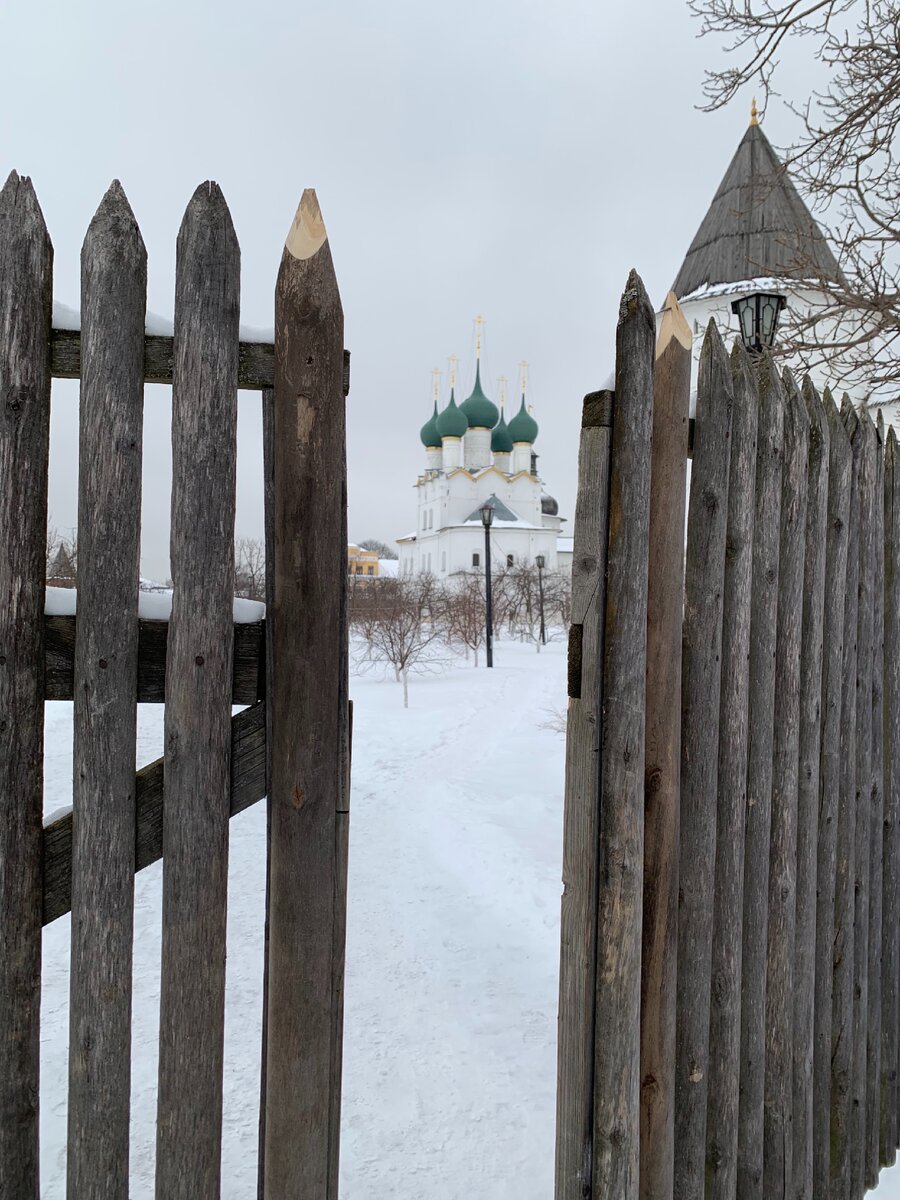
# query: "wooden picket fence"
(291, 743)
(730, 920)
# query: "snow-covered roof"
(501, 513)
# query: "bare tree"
(845, 160)
(465, 613)
(250, 569)
(382, 549)
(401, 628)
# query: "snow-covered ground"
(452, 955)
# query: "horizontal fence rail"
(785, 1048)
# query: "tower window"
(476, 560)
(509, 560)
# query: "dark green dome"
(431, 439)
(480, 412)
(523, 427)
(501, 442)
(451, 422)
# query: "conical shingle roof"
(757, 227)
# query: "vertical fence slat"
(808, 791)
(578, 915)
(665, 602)
(113, 302)
(837, 520)
(198, 701)
(782, 906)
(701, 684)
(308, 734)
(725, 998)
(617, 1071)
(876, 802)
(26, 265)
(891, 913)
(845, 862)
(865, 615)
(766, 528)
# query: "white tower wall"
(478, 449)
(452, 453)
(521, 457)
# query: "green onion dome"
(523, 427)
(480, 412)
(431, 439)
(501, 442)
(451, 422)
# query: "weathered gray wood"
(890, 926)
(113, 303)
(248, 674)
(865, 619)
(621, 826)
(665, 604)
(307, 722)
(842, 945)
(26, 265)
(256, 360)
(764, 600)
(782, 908)
(837, 520)
(701, 656)
(578, 915)
(876, 820)
(725, 998)
(198, 701)
(248, 785)
(808, 791)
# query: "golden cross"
(501, 390)
(453, 360)
(523, 375)
(754, 113)
(479, 325)
(436, 382)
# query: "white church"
(472, 458)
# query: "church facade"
(472, 458)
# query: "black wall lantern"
(758, 316)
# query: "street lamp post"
(540, 561)
(487, 517)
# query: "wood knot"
(695, 1075)
(298, 799)
(654, 780)
(103, 664)
(199, 660)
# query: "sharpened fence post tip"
(307, 234)
(673, 326)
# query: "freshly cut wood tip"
(673, 325)
(307, 234)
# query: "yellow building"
(362, 562)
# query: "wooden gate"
(291, 742)
(729, 968)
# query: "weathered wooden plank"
(876, 820)
(837, 520)
(761, 703)
(248, 672)
(808, 791)
(113, 303)
(248, 785)
(308, 733)
(665, 604)
(701, 653)
(578, 916)
(621, 826)
(26, 265)
(198, 701)
(256, 360)
(865, 621)
(725, 998)
(842, 944)
(890, 926)
(782, 907)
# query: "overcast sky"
(509, 158)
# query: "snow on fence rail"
(731, 913)
(199, 652)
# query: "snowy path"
(452, 954)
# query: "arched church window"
(476, 560)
